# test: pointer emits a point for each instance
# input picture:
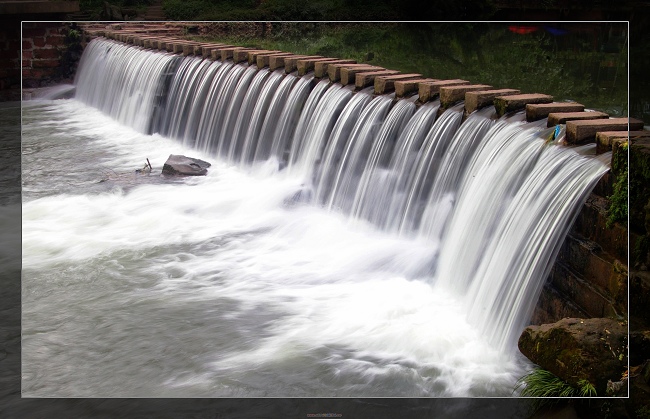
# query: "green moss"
(500, 106)
(619, 159)
(617, 211)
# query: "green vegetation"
(542, 383)
(617, 211)
(545, 386)
(96, 9)
(332, 10)
(250, 10)
(566, 66)
(93, 8)
(71, 53)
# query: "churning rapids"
(341, 244)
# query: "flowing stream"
(341, 244)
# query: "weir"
(493, 196)
(361, 232)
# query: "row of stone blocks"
(582, 126)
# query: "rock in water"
(177, 165)
(579, 349)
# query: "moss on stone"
(639, 204)
(617, 211)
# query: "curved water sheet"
(216, 286)
(409, 272)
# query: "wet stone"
(178, 165)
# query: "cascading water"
(341, 244)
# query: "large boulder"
(177, 165)
(579, 349)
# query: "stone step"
(605, 139)
(305, 65)
(239, 55)
(263, 60)
(291, 63)
(513, 103)
(431, 90)
(537, 111)
(555, 118)
(450, 95)
(320, 67)
(349, 73)
(203, 50)
(362, 80)
(227, 53)
(189, 48)
(211, 51)
(405, 87)
(334, 69)
(578, 132)
(386, 84)
(475, 100)
(278, 61)
(254, 53)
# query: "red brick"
(35, 74)
(47, 53)
(54, 40)
(27, 55)
(27, 44)
(39, 42)
(54, 31)
(45, 63)
(33, 32)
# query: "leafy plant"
(586, 389)
(548, 389)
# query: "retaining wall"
(43, 49)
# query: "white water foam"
(341, 289)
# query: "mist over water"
(324, 254)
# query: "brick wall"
(44, 53)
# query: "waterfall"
(491, 197)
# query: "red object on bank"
(523, 30)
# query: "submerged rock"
(177, 165)
(579, 349)
(302, 195)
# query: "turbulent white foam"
(414, 279)
(334, 282)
